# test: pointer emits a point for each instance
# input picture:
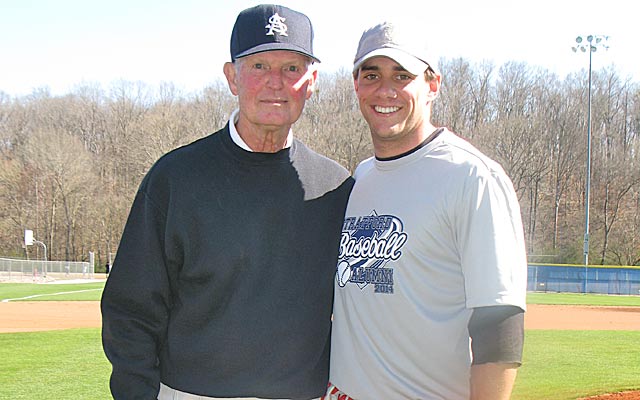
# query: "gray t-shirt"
(426, 238)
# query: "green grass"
(557, 365)
(48, 292)
(563, 365)
(93, 291)
(57, 365)
(582, 299)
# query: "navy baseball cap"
(271, 27)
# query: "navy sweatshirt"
(223, 282)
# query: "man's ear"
(313, 81)
(230, 73)
(434, 86)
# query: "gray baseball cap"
(393, 40)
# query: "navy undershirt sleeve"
(497, 334)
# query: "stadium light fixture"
(590, 43)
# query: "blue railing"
(580, 279)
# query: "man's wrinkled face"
(272, 86)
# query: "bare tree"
(332, 123)
(70, 165)
(465, 100)
(65, 167)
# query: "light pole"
(593, 42)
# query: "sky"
(62, 44)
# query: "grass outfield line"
(583, 299)
(47, 292)
(92, 292)
(35, 296)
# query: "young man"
(431, 279)
(223, 282)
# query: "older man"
(223, 282)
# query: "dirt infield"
(634, 395)
(582, 317)
(29, 316)
(25, 316)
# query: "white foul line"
(50, 294)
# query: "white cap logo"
(276, 25)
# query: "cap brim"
(410, 63)
(276, 46)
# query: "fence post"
(91, 263)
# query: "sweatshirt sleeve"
(135, 303)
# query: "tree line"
(70, 165)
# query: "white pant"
(167, 393)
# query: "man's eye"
(370, 77)
(293, 68)
(258, 66)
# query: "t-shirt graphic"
(367, 244)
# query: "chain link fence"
(17, 270)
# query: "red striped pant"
(333, 393)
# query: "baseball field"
(577, 346)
